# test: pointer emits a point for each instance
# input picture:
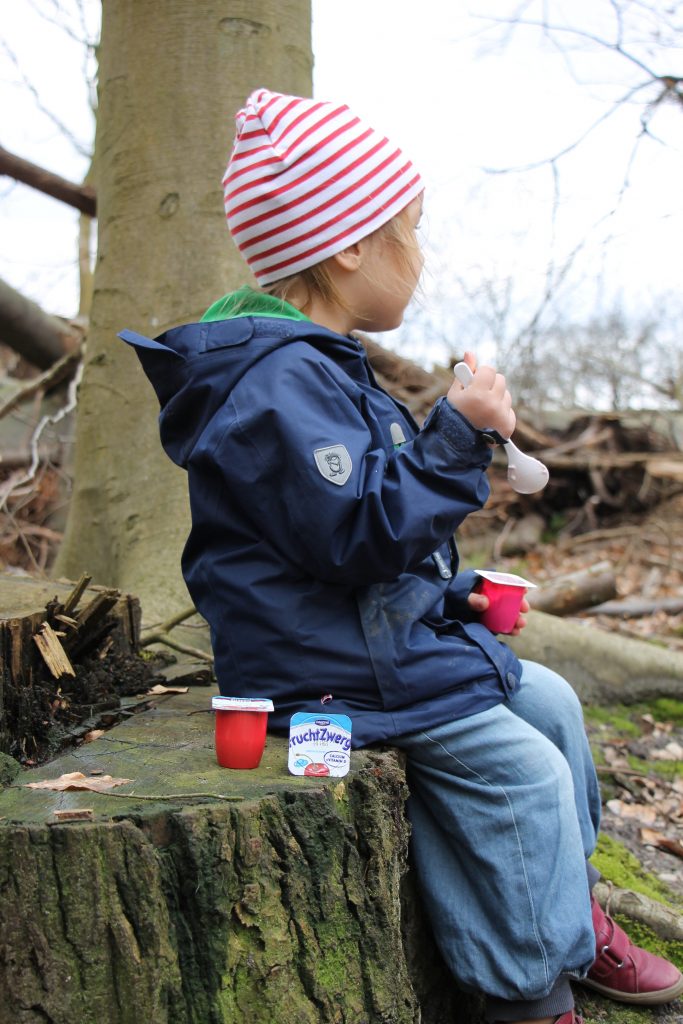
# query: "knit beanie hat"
(305, 180)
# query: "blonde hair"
(317, 280)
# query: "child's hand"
(479, 603)
(485, 402)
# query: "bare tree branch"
(82, 197)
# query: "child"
(321, 554)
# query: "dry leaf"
(77, 780)
(94, 734)
(671, 752)
(168, 689)
(653, 838)
(643, 812)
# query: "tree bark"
(165, 128)
(268, 899)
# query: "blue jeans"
(505, 809)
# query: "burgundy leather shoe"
(626, 972)
(570, 1017)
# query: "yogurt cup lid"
(506, 578)
(241, 704)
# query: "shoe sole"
(663, 995)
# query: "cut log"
(601, 666)
(38, 337)
(261, 898)
(575, 591)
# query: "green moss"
(9, 769)
(617, 719)
(665, 769)
(616, 864)
(603, 1011)
(666, 709)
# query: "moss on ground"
(619, 866)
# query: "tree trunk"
(266, 899)
(602, 667)
(165, 128)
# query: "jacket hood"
(193, 368)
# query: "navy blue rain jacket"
(320, 555)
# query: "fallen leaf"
(671, 752)
(94, 734)
(77, 780)
(615, 758)
(642, 812)
(653, 838)
(168, 689)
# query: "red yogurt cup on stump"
(241, 724)
(505, 592)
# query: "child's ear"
(350, 258)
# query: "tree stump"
(199, 895)
(52, 633)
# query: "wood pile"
(602, 464)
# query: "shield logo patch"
(334, 463)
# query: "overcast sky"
(461, 99)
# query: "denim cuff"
(559, 1000)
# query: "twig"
(631, 773)
(166, 627)
(183, 648)
(29, 476)
(53, 375)
(170, 796)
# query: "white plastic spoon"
(526, 474)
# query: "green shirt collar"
(247, 301)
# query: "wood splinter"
(75, 814)
(52, 652)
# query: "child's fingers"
(477, 602)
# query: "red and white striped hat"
(305, 180)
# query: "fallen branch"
(166, 627)
(38, 337)
(183, 649)
(576, 591)
(636, 609)
(659, 918)
(160, 636)
(54, 375)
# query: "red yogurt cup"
(241, 725)
(505, 592)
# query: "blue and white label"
(319, 745)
